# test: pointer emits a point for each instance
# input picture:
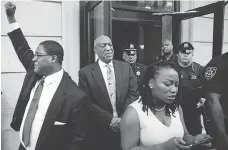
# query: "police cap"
(130, 49)
(186, 48)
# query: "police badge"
(210, 72)
(138, 73)
(185, 45)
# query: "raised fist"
(10, 9)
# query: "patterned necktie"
(31, 113)
(112, 88)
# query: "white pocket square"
(59, 123)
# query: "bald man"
(167, 51)
(112, 86)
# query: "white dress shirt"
(14, 26)
(51, 83)
(104, 70)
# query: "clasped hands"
(115, 124)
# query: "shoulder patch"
(210, 72)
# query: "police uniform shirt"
(216, 79)
(139, 71)
(190, 84)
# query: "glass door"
(99, 23)
(216, 9)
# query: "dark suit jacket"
(92, 82)
(68, 105)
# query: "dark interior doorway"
(124, 32)
(145, 36)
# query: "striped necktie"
(112, 88)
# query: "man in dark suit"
(112, 86)
(51, 112)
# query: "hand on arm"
(10, 12)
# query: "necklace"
(159, 109)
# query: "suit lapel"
(98, 77)
(53, 110)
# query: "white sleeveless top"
(152, 131)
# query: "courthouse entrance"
(124, 22)
(145, 24)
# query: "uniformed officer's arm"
(214, 88)
(215, 110)
(217, 116)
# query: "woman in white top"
(155, 121)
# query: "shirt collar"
(102, 64)
(53, 77)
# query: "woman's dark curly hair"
(151, 72)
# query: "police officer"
(216, 87)
(191, 88)
(167, 52)
(130, 56)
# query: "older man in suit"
(51, 112)
(112, 86)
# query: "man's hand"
(115, 124)
(201, 137)
(10, 12)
